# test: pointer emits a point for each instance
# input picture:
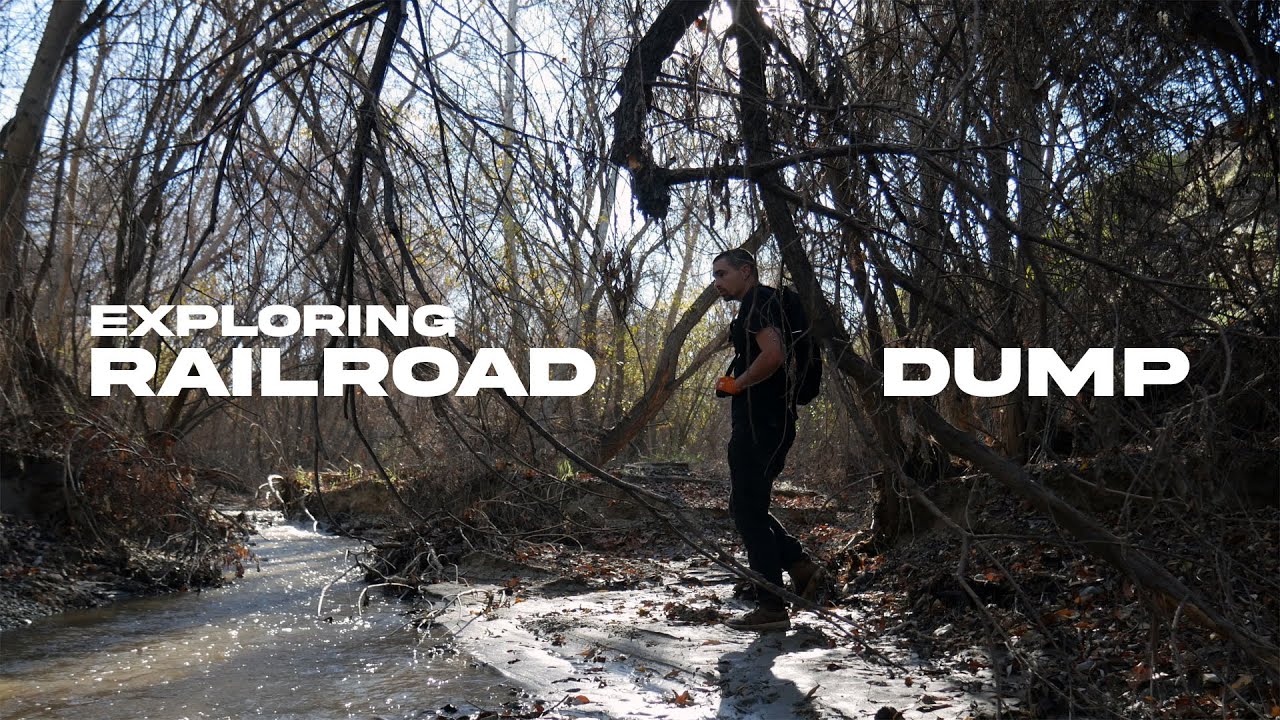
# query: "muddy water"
(254, 648)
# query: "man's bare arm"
(771, 357)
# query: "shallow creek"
(256, 647)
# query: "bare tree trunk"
(887, 516)
(59, 302)
(686, 267)
(662, 384)
(26, 370)
(510, 228)
(755, 128)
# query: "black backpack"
(804, 348)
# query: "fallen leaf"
(683, 699)
(581, 699)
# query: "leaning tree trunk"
(27, 378)
(758, 140)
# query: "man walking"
(764, 427)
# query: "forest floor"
(624, 620)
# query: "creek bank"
(90, 513)
(45, 571)
(657, 649)
(37, 578)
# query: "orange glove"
(727, 386)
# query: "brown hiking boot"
(761, 620)
(806, 579)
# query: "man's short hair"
(738, 257)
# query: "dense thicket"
(943, 174)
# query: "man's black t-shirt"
(761, 308)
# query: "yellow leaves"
(1242, 681)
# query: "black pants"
(757, 453)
